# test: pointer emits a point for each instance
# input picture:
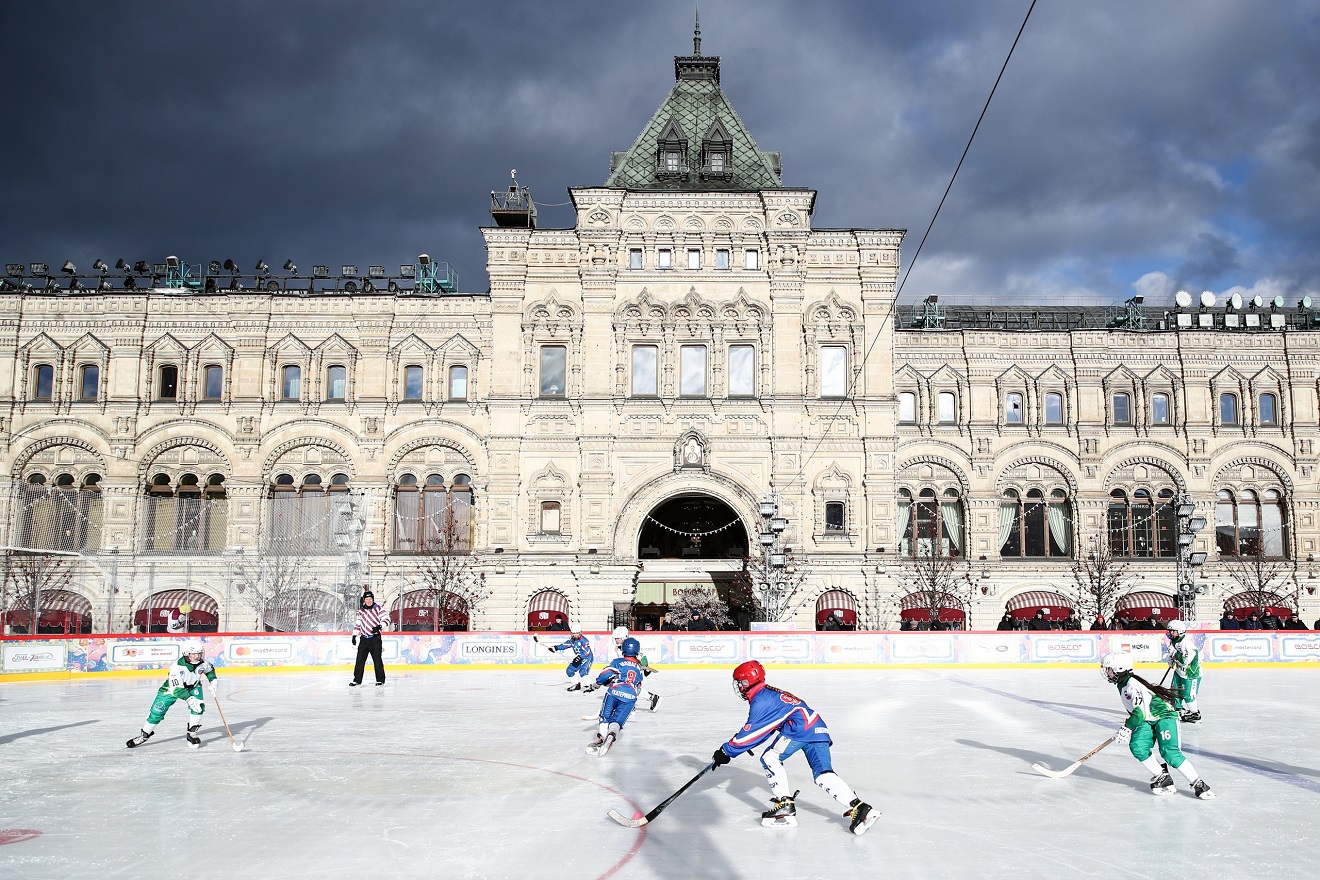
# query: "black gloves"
(577, 661)
(721, 757)
(355, 640)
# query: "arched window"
(930, 524)
(43, 381)
(305, 519)
(184, 516)
(1159, 409)
(291, 382)
(89, 382)
(1269, 410)
(169, 382)
(948, 408)
(1228, 409)
(412, 382)
(65, 516)
(431, 516)
(336, 382)
(458, 382)
(1249, 523)
(1035, 525)
(907, 408)
(1053, 408)
(1122, 408)
(834, 518)
(1013, 408)
(1140, 526)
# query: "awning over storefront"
(1145, 604)
(664, 592)
(59, 610)
(836, 600)
(547, 608)
(1242, 604)
(305, 611)
(155, 609)
(917, 606)
(1025, 605)
(423, 608)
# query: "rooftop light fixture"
(68, 268)
(290, 267)
(262, 268)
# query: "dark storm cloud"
(1131, 146)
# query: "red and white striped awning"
(1024, 605)
(543, 607)
(917, 606)
(171, 599)
(1147, 604)
(836, 600)
(1242, 604)
(61, 600)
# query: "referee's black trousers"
(369, 645)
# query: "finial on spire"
(696, 35)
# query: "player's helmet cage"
(1116, 664)
(631, 647)
(748, 677)
(193, 648)
(1176, 630)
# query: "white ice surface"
(483, 774)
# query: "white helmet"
(1177, 629)
(575, 629)
(620, 633)
(193, 646)
(1116, 664)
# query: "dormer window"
(671, 155)
(717, 153)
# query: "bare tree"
(1262, 580)
(447, 575)
(269, 580)
(1100, 580)
(30, 576)
(705, 602)
(773, 581)
(930, 582)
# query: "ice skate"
(1162, 784)
(655, 701)
(1189, 717)
(782, 813)
(194, 741)
(1201, 790)
(863, 817)
(577, 686)
(601, 745)
(140, 738)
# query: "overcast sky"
(1132, 146)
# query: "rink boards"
(58, 656)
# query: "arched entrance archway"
(692, 526)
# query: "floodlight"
(1257, 301)
(350, 286)
(100, 266)
(14, 270)
(407, 270)
(1185, 509)
(767, 539)
(319, 271)
(1278, 302)
(230, 266)
(213, 267)
(424, 259)
(130, 283)
(368, 287)
(68, 268)
(1137, 300)
(142, 267)
(376, 271)
(1183, 299)
(122, 266)
(159, 269)
(1306, 302)
(262, 268)
(778, 523)
(1208, 298)
(1197, 558)
(172, 262)
(39, 268)
(1235, 301)
(348, 271)
(1196, 523)
(393, 287)
(290, 267)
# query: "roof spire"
(696, 35)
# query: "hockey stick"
(660, 808)
(238, 747)
(1067, 771)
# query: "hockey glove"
(355, 640)
(577, 661)
(721, 757)
(1122, 735)
(211, 685)
(196, 706)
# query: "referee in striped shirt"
(366, 635)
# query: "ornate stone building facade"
(602, 426)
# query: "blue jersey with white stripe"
(774, 711)
(624, 677)
(579, 645)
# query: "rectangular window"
(834, 516)
(833, 371)
(721, 258)
(634, 258)
(90, 385)
(742, 371)
(1013, 408)
(694, 258)
(948, 408)
(554, 370)
(550, 517)
(458, 382)
(213, 376)
(644, 361)
(1159, 409)
(673, 161)
(336, 383)
(1053, 409)
(169, 382)
(412, 382)
(1228, 409)
(716, 162)
(665, 258)
(1269, 414)
(907, 408)
(44, 380)
(751, 259)
(291, 382)
(692, 370)
(1122, 409)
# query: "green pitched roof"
(697, 109)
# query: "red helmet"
(748, 678)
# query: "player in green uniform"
(184, 682)
(1185, 661)
(1152, 721)
(651, 701)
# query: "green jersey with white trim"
(1184, 658)
(184, 676)
(1144, 705)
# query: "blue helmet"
(631, 647)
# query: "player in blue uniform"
(789, 726)
(580, 665)
(623, 678)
